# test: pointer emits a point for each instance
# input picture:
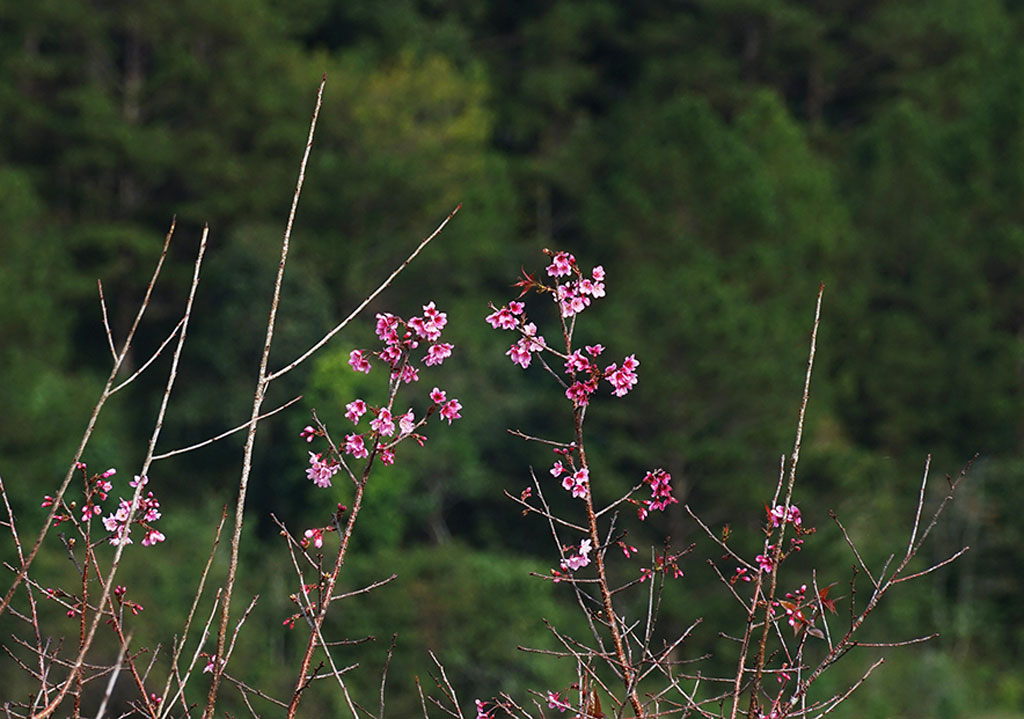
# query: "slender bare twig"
(158, 424)
(228, 433)
(261, 388)
(106, 322)
(87, 435)
(354, 313)
(166, 706)
(113, 677)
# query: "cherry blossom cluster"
(401, 338)
(573, 561)
(573, 295)
(779, 515)
(386, 428)
(147, 510)
(97, 489)
(576, 482)
(660, 483)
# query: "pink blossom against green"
(308, 433)
(579, 392)
(147, 511)
(520, 353)
(387, 456)
(555, 701)
(573, 295)
(314, 536)
(354, 410)
(320, 471)
(408, 374)
(358, 360)
(438, 396)
(562, 264)
(407, 422)
(578, 483)
(451, 409)
(502, 319)
(383, 424)
(624, 378)
(660, 483)
(780, 515)
(355, 446)
(437, 353)
(578, 560)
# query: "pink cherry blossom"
(355, 446)
(407, 374)
(556, 702)
(358, 360)
(354, 410)
(308, 433)
(407, 422)
(438, 396)
(578, 483)
(520, 353)
(624, 378)
(451, 410)
(438, 353)
(561, 264)
(314, 536)
(320, 472)
(502, 319)
(383, 423)
(387, 456)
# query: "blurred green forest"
(719, 157)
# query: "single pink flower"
(355, 409)
(358, 360)
(451, 410)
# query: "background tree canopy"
(719, 157)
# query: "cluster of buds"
(663, 563)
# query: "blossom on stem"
(624, 378)
(451, 410)
(355, 446)
(406, 422)
(503, 319)
(313, 536)
(561, 264)
(660, 483)
(437, 353)
(578, 483)
(354, 410)
(383, 423)
(556, 702)
(359, 362)
(320, 471)
(580, 559)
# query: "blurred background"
(719, 157)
